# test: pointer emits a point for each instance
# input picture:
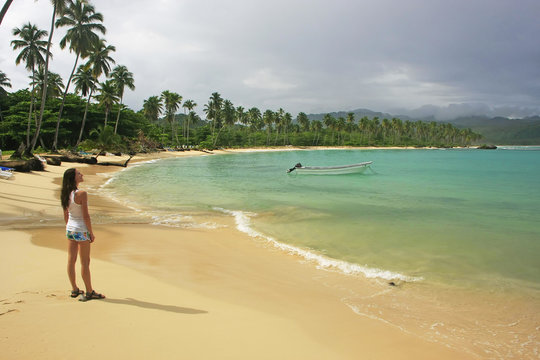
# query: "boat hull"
(334, 170)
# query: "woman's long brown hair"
(68, 185)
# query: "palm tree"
(100, 59)
(82, 21)
(268, 120)
(32, 52)
(303, 121)
(84, 84)
(215, 105)
(54, 86)
(340, 125)
(229, 117)
(317, 127)
(106, 139)
(4, 83)
(286, 121)
(350, 124)
(152, 108)
(98, 63)
(122, 78)
(189, 105)
(172, 102)
(363, 125)
(59, 7)
(254, 120)
(255, 117)
(108, 97)
(330, 122)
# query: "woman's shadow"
(149, 305)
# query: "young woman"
(78, 231)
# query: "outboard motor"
(294, 168)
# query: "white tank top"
(76, 220)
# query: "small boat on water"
(331, 170)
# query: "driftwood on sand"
(116, 164)
(72, 158)
(33, 164)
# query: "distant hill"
(358, 114)
(495, 130)
(501, 130)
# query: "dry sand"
(191, 294)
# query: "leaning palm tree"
(59, 7)
(85, 85)
(108, 97)
(32, 50)
(172, 102)
(122, 78)
(83, 23)
(152, 107)
(189, 105)
(5, 9)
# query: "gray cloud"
(317, 56)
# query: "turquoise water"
(460, 217)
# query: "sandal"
(92, 295)
(75, 293)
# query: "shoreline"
(221, 265)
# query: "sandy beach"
(185, 293)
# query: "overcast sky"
(459, 57)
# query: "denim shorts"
(78, 235)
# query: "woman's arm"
(83, 197)
(66, 215)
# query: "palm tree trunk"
(44, 95)
(84, 117)
(30, 113)
(5, 9)
(55, 143)
(217, 136)
(106, 116)
(118, 116)
(29, 121)
(172, 131)
(187, 132)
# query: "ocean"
(460, 217)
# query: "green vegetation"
(83, 119)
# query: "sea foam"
(243, 224)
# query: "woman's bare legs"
(84, 251)
(73, 248)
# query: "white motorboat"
(331, 170)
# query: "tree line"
(47, 114)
